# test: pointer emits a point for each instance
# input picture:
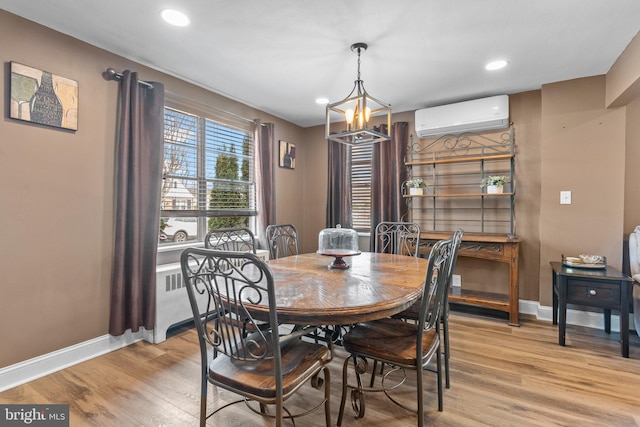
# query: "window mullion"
(201, 177)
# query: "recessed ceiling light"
(175, 17)
(496, 65)
(322, 101)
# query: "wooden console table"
(492, 247)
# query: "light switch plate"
(565, 197)
(456, 280)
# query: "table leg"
(554, 290)
(562, 307)
(624, 317)
(607, 320)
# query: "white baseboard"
(589, 319)
(23, 372)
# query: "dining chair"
(237, 239)
(402, 345)
(400, 238)
(262, 367)
(282, 240)
(413, 312)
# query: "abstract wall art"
(41, 97)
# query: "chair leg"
(279, 415)
(327, 396)
(203, 403)
(445, 333)
(439, 374)
(344, 389)
(420, 391)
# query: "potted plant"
(416, 186)
(494, 184)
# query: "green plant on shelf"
(416, 183)
(497, 180)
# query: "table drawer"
(593, 293)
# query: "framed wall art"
(287, 155)
(38, 96)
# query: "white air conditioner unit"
(468, 116)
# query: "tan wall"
(583, 150)
(57, 197)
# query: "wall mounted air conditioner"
(468, 116)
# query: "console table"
(491, 247)
(605, 288)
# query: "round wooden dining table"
(375, 286)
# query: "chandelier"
(356, 110)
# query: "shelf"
(454, 167)
(459, 195)
(460, 160)
(485, 299)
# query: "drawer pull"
(592, 292)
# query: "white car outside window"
(181, 229)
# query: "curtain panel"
(138, 178)
(388, 173)
(339, 185)
(265, 178)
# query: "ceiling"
(279, 56)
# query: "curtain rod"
(112, 74)
(179, 98)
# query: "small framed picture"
(287, 155)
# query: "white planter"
(415, 191)
(495, 189)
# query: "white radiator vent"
(172, 301)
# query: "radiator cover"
(172, 301)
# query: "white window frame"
(207, 137)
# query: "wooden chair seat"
(392, 341)
(257, 378)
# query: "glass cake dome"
(338, 242)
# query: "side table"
(605, 288)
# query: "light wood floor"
(501, 376)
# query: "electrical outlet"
(456, 281)
(565, 197)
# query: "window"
(361, 186)
(208, 177)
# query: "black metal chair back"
(239, 239)
(400, 238)
(282, 240)
(436, 284)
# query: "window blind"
(361, 187)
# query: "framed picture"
(41, 97)
(287, 155)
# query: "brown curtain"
(388, 172)
(138, 172)
(265, 178)
(339, 185)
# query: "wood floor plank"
(500, 376)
